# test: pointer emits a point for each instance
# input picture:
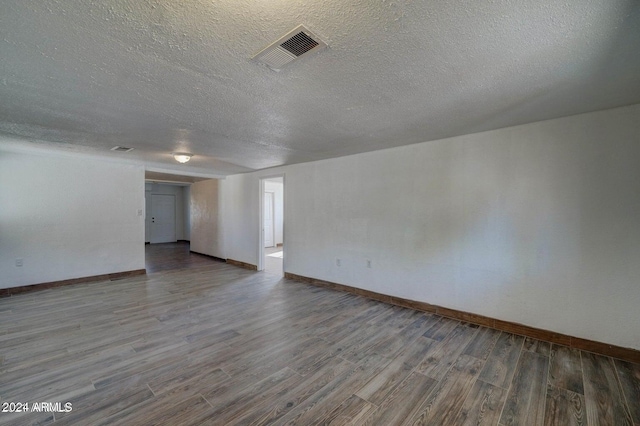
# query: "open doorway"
(167, 212)
(272, 225)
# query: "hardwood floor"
(172, 256)
(204, 342)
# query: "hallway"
(273, 260)
(169, 256)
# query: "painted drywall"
(206, 235)
(277, 187)
(186, 205)
(240, 218)
(537, 224)
(68, 218)
(153, 188)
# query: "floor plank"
(324, 401)
(444, 354)
(403, 402)
(398, 341)
(604, 400)
(564, 407)
(482, 406)
(629, 375)
(565, 369)
(441, 329)
(446, 400)
(381, 385)
(353, 411)
(253, 398)
(501, 363)
(526, 398)
(538, 346)
(281, 404)
(482, 344)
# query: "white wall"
(153, 188)
(206, 235)
(537, 224)
(186, 212)
(239, 206)
(68, 218)
(277, 187)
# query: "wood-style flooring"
(172, 256)
(209, 343)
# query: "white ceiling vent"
(297, 42)
(121, 149)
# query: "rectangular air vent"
(291, 46)
(121, 149)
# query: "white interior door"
(268, 220)
(163, 219)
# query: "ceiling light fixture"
(182, 157)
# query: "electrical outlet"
(338, 262)
(19, 262)
(369, 263)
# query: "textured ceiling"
(170, 75)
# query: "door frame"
(261, 191)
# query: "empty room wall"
(206, 235)
(68, 218)
(537, 224)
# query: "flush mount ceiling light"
(182, 157)
(291, 46)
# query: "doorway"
(271, 241)
(163, 219)
(269, 219)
